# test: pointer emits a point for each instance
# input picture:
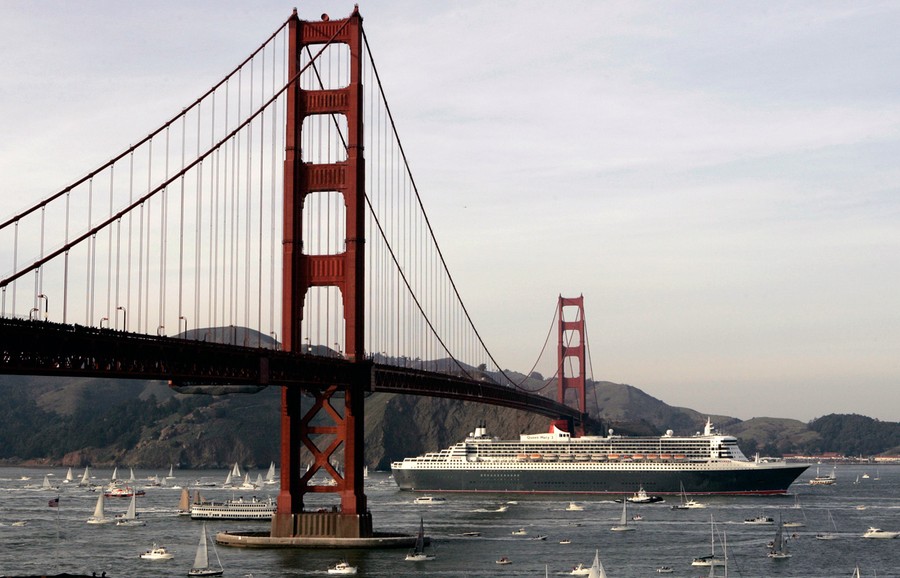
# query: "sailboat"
(46, 485)
(85, 478)
(235, 471)
(227, 481)
(623, 520)
(129, 518)
(687, 504)
(828, 535)
(201, 565)
(710, 560)
(131, 475)
(597, 570)
(184, 503)
(171, 475)
(797, 523)
(69, 476)
(856, 573)
(270, 475)
(418, 554)
(247, 484)
(115, 475)
(99, 516)
(779, 549)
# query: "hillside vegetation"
(79, 422)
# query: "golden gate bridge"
(262, 237)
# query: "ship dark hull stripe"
(737, 481)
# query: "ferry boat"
(240, 509)
(704, 463)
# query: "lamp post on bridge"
(180, 319)
(46, 305)
(102, 319)
(124, 318)
(32, 312)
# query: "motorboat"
(157, 553)
(520, 532)
(873, 532)
(760, 520)
(503, 560)
(665, 570)
(429, 500)
(580, 570)
(565, 541)
(342, 568)
(642, 497)
(539, 538)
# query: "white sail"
(115, 474)
(597, 570)
(69, 475)
(46, 485)
(98, 509)
(131, 513)
(171, 475)
(131, 475)
(85, 478)
(236, 471)
(201, 559)
(259, 480)
(270, 475)
(99, 516)
(227, 480)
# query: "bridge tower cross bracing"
(343, 270)
(571, 369)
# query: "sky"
(718, 180)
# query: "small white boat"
(573, 507)
(201, 565)
(520, 532)
(538, 538)
(873, 532)
(687, 504)
(342, 568)
(580, 570)
(565, 541)
(157, 553)
(828, 535)
(129, 518)
(665, 570)
(760, 520)
(99, 516)
(503, 560)
(429, 500)
(623, 521)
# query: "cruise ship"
(556, 462)
(240, 509)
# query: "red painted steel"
(571, 351)
(344, 270)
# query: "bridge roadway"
(45, 348)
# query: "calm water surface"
(58, 540)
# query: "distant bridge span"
(45, 348)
